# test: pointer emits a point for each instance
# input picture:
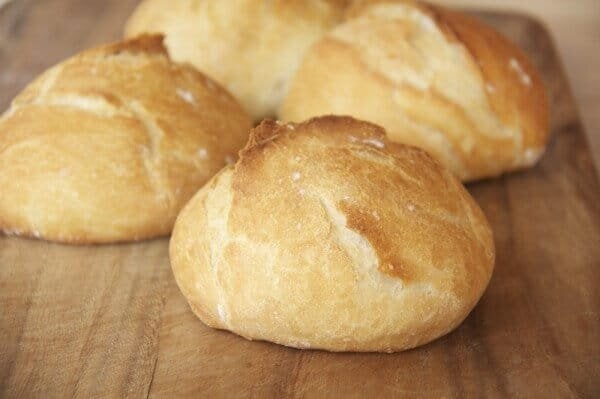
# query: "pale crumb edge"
(350, 347)
(77, 240)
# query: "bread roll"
(110, 144)
(433, 78)
(252, 47)
(327, 235)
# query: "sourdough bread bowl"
(108, 145)
(433, 78)
(327, 235)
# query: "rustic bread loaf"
(433, 78)
(327, 235)
(109, 145)
(252, 47)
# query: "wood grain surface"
(109, 320)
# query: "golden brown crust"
(433, 78)
(327, 235)
(512, 100)
(252, 47)
(108, 145)
(366, 224)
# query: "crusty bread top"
(352, 164)
(109, 144)
(252, 47)
(433, 78)
(327, 235)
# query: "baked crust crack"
(151, 154)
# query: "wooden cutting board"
(110, 321)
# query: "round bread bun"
(326, 235)
(109, 145)
(252, 47)
(433, 78)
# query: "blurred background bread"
(349, 243)
(108, 145)
(252, 47)
(433, 78)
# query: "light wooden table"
(575, 27)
